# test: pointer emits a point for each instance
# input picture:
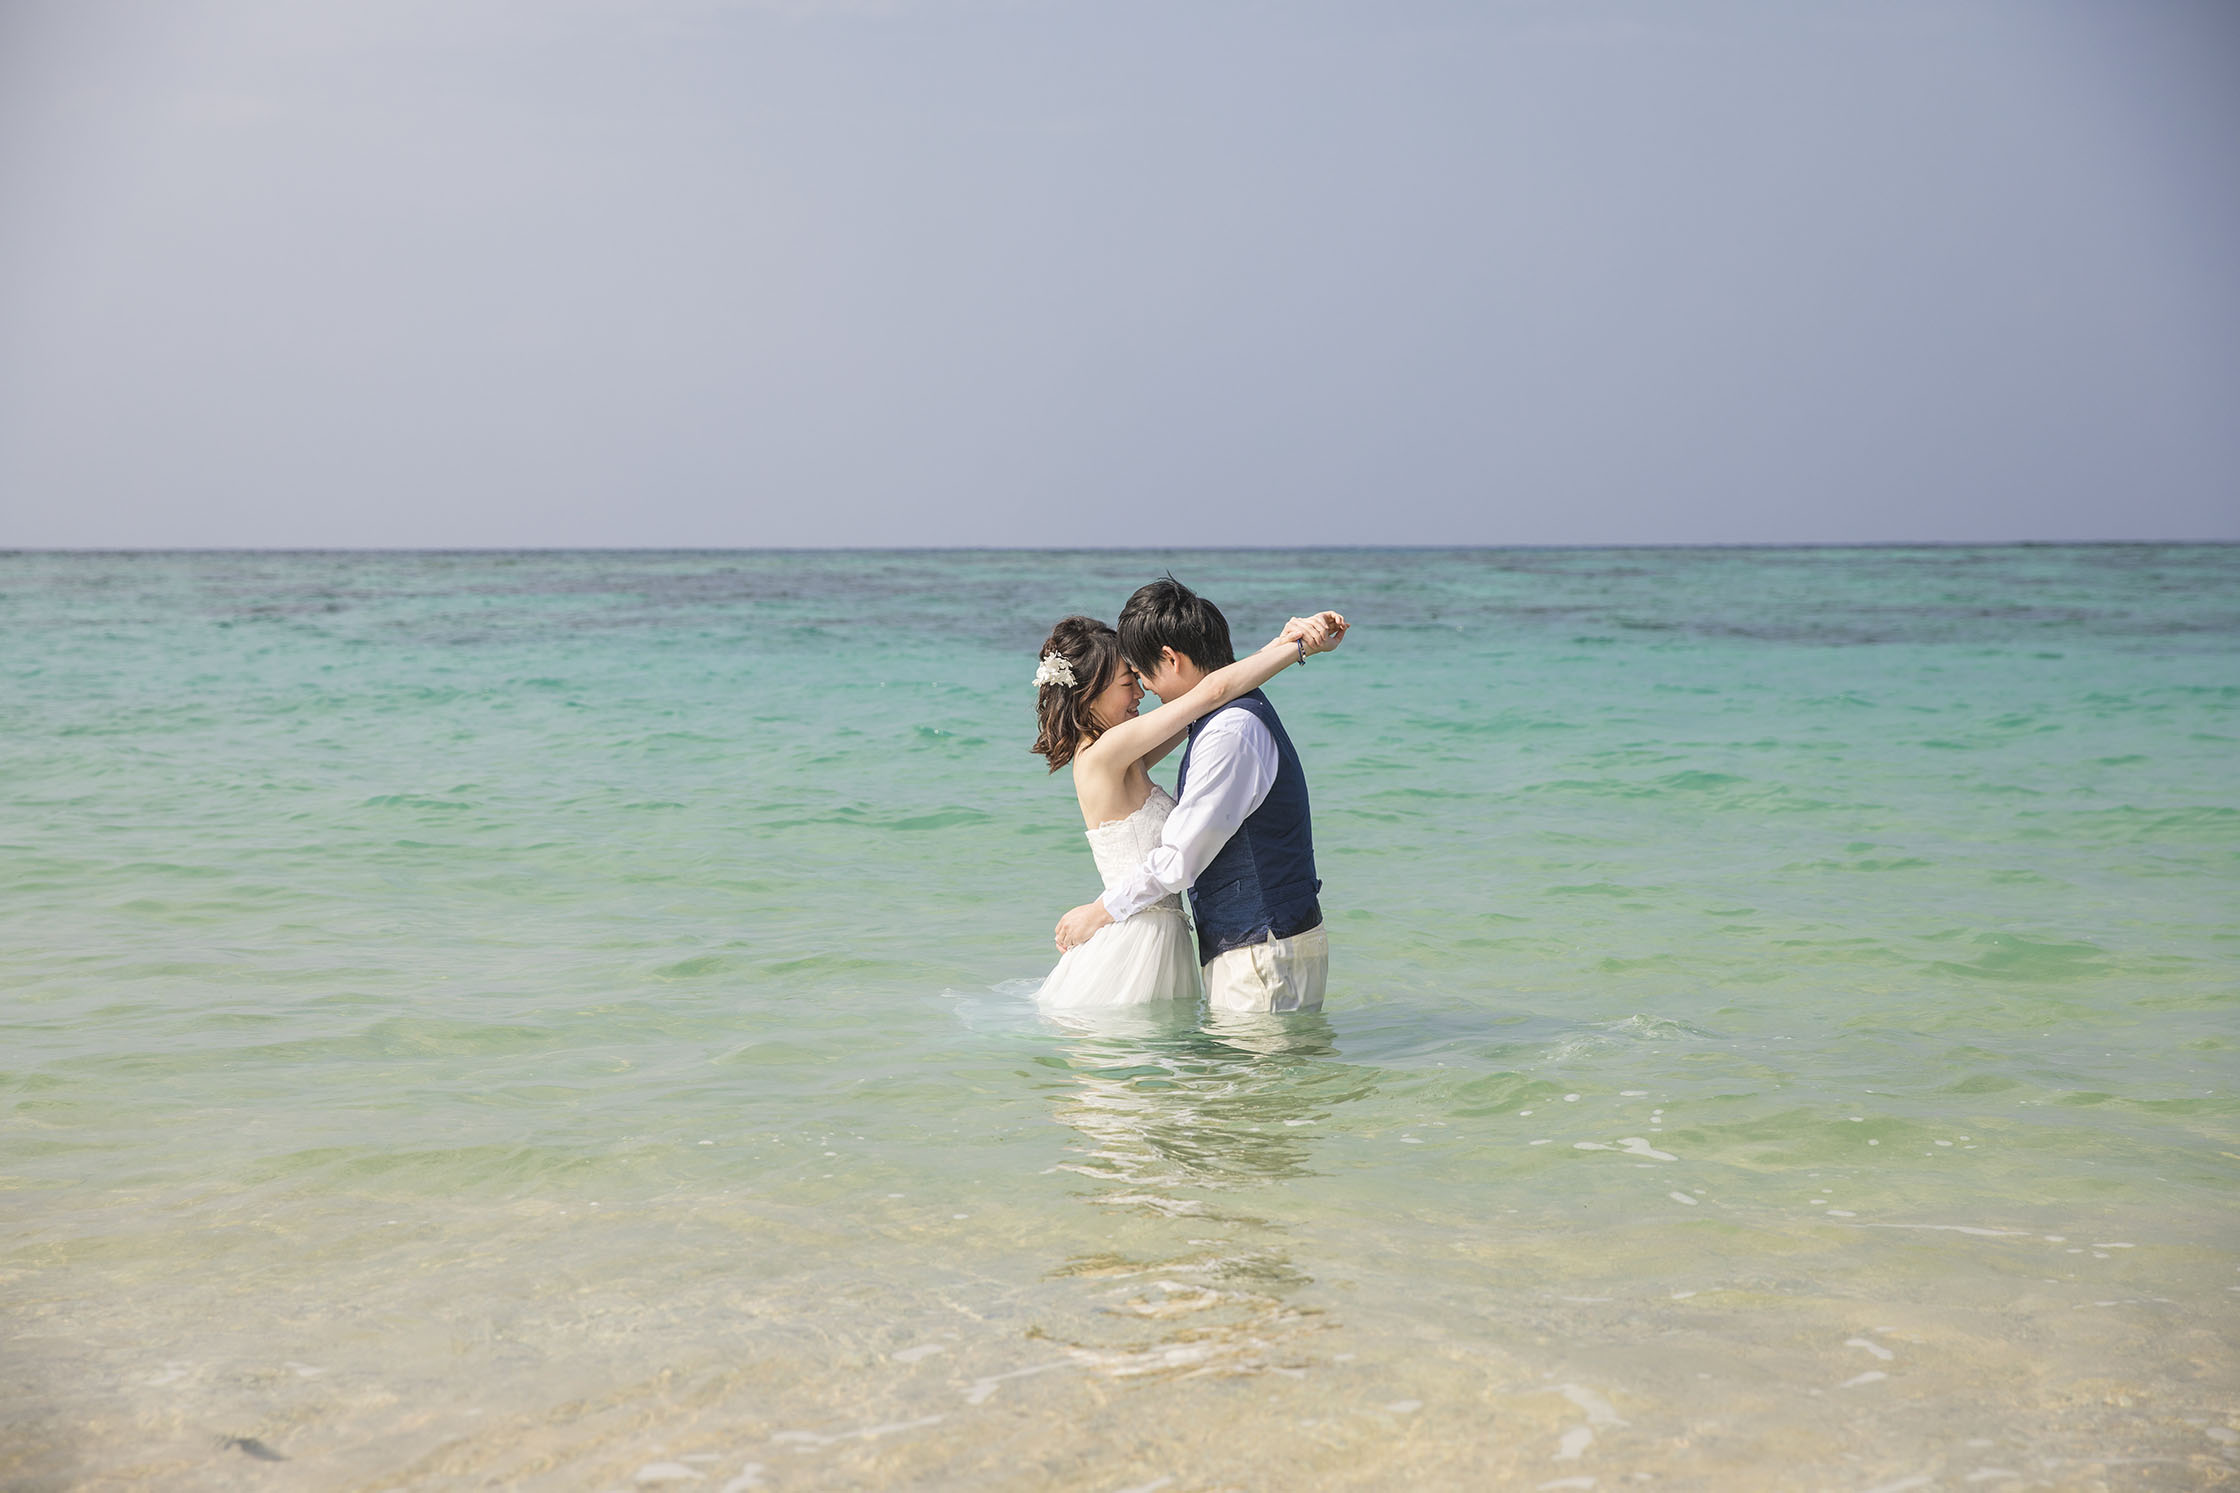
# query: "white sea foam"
(983, 1388)
(814, 1440)
(668, 1472)
(1599, 1411)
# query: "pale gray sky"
(1050, 272)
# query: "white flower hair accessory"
(1054, 670)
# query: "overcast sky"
(1053, 272)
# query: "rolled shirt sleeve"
(1232, 767)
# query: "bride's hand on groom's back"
(1081, 924)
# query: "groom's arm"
(1231, 770)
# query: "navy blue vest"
(1262, 884)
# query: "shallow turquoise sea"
(559, 1020)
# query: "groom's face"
(1164, 678)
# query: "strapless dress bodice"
(1146, 959)
(1120, 845)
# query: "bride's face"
(1117, 701)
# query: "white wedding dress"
(1150, 957)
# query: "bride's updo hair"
(1092, 651)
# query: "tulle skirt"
(1150, 957)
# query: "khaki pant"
(1280, 974)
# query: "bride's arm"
(1139, 738)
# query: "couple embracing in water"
(1237, 837)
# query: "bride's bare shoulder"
(1097, 759)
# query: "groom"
(1239, 837)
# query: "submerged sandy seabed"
(1163, 1340)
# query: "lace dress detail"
(1120, 845)
(1150, 957)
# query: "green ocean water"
(560, 1020)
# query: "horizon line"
(906, 549)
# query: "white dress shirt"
(1232, 767)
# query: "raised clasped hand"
(1320, 633)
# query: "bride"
(1087, 700)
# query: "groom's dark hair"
(1168, 614)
